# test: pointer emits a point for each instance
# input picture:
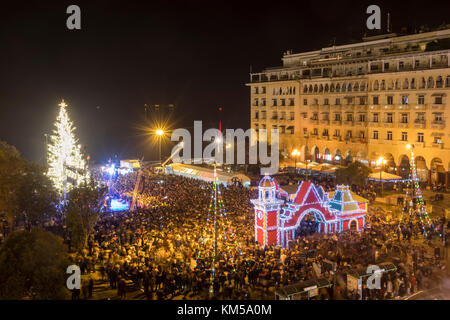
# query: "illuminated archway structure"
(278, 214)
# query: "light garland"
(67, 167)
(421, 210)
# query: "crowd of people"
(169, 250)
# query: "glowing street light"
(295, 153)
(160, 134)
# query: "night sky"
(195, 55)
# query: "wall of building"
(362, 107)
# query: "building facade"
(363, 101)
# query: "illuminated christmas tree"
(414, 205)
(67, 167)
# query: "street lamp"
(381, 161)
(159, 133)
(295, 153)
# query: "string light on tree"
(414, 204)
(67, 167)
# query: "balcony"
(389, 107)
(438, 107)
(403, 125)
(349, 107)
(373, 123)
(403, 107)
(387, 124)
(419, 123)
(348, 123)
(361, 123)
(336, 122)
(421, 107)
(438, 145)
(438, 124)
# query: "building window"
(404, 99)
(362, 118)
(421, 99)
(421, 116)
(375, 117)
(325, 132)
(437, 140)
(256, 115)
(315, 116)
(349, 116)
(404, 118)
(291, 115)
(390, 100)
(375, 100)
(420, 137)
(389, 135)
(404, 136)
(305, 115)
(316, 102)
(305, 131)
(337, 117)
(438, 117)
(349, 134)
(274, 102)
(338, 101)
(283, 102)
(389, 118)
(315, 132)
(263, 90)
(438, 100)
(305, 102)
(375, 135)
(255, 102)
(263, 115)
(325, 102)
(337, 133)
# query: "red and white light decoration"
(278, 214)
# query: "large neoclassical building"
(362, 101)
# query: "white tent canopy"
(385, 176)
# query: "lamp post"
(295, 153)
(159, 133)
(306, 155)
(381, 161)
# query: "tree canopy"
(25, 190)
(356, 173)
(33, 266)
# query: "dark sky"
(193, 54)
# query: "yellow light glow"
(159, 132)
(295, 153)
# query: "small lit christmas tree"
(67, 167)
(414, 205)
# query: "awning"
(302, 287)
(384, 176)
(384, 267)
